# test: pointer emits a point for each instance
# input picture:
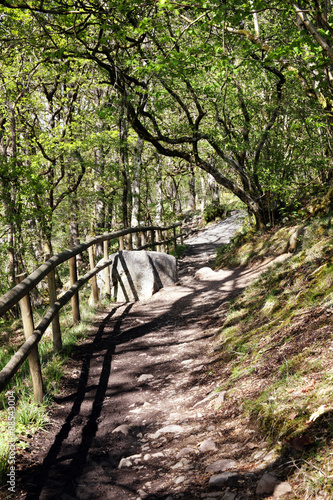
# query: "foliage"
(248, 87)
(214, 211)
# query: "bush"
(213, 211)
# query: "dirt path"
(138, 416)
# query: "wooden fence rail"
(20, 294)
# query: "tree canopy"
(92, 91)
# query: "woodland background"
(117, 113)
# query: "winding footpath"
(140, 416)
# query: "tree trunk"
(203, 194)
(136, 179)
(192, 188)
(213, 187)
(159, 191)
(123, 131)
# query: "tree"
(206, 84)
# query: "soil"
(139, 415)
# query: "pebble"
(229, 495)
(271, 456)
(222, 479)
(198, 368)
(221, 465)
(281, 489)
(124, 462)
(267, 484)
(145, 377)
(174, 429)
(207, 445)
(220, 399)
(185, 451)
(179, 479)
(183, 462)
(124, 429)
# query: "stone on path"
(124, 428)
(282, 489)
(173, 429)
(204, 273)
(179, 479)
(267, 484)
(185, 451)
(124, 462)
(230, 478)
(207, 445)
(221, 465)
(145, 377)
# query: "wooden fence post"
(129, 241)
(175, 238)
(158, 239)
(152, 233)
(75, 298)
(121, 243)
(143, 238)
(56, 332)
(107, 269)
(94, 286)
(33, 358)
(165, 245)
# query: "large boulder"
(137, 275)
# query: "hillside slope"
(275, 346)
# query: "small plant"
(4, 452)
(31, 417)
(178, 252)
(214, 211)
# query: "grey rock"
(220, 399)
(267, 484)
(179, 479)
(204, 273)
(226, 478)
(137, 275)
(207, 445)
(124, 429)
(229, 495)
(185, 451)
(173, 429)
(124, 462)
(145, 377)
(221, 465)
(282, 489)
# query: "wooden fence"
(147, 237)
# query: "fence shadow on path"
(105, 343)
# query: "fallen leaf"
(292, 415)
(309, 387)
(289, 390)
